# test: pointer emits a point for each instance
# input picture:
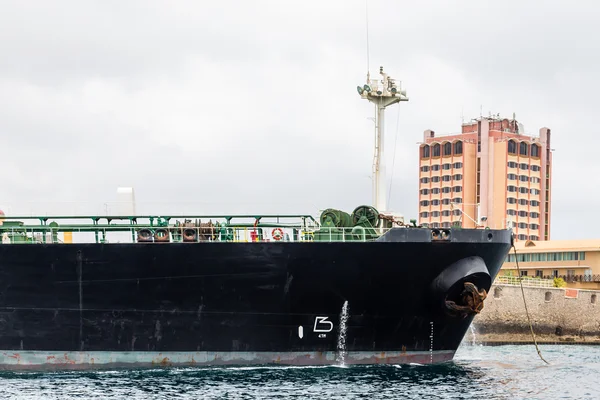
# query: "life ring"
(277, 233)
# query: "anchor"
(470, 301)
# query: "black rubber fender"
(450, 282)
(145, 235)
(190, 235)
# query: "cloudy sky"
(234, 106)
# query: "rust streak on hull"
(43, 361)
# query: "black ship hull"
(140, 304)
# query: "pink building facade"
(490, 174)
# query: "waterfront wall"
(557, 314)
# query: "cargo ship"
(359, 287)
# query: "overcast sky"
(251, 106)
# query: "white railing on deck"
(527, 281)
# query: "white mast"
(382, 93)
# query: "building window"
(534, 214)
(534, 226)
(435, 191)
(424, 191)
(425, 151)
(534, 203)
(523, 166)
(512, 164)
(458, 164)
(522, 213)
(535, 150)
(523, 148)
(535, 167)
(457, 200)
(523, 237)
(554, 256)
(523, 178)
(446, 190)
(569, 256)
(446, 225)
(456, 212)
(446, 178)
(435, 167)
(523, 202)
(446, 213)
(511, 200)
(446, 166)
(512, 188)
(445, 201)
(435, 179)
(457, 177)
(436, 150)
(534, 179)
(512, 177)
(511, 212)
(512, 147)
(425, 168)
(435, 214)
(523, 190)
(435, 202)
(447, 149)
(457, 189)
(435, 225)
(522, 225)
(458, 148)
(424, 180)
(424, 214)
(424, 203)
(534, 237)
(535, 191)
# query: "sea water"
(478, 372)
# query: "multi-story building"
(575, 261)
(490, 174)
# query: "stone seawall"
(557, 315)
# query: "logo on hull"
(322, 324)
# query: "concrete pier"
(558, 315)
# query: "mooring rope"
(526, 310)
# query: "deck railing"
(168, 228)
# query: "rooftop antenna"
(382, 93)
